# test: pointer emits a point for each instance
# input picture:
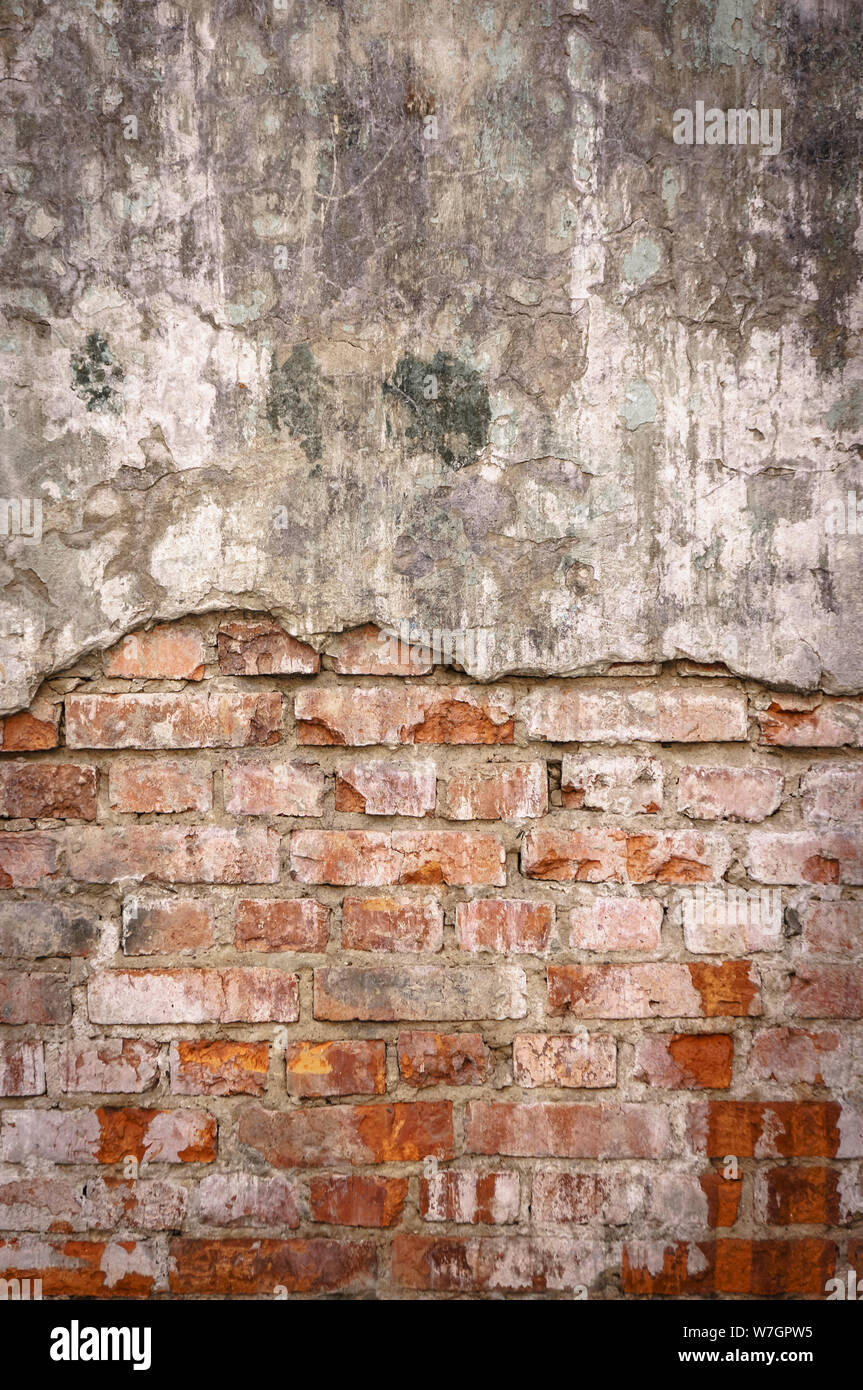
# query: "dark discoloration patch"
(294, 400)
(96, 374)
(440, 406)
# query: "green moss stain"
(441, 406)
(294, 400)
(96, 374)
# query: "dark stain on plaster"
(294, 400)
(440, 407)
(96, 374)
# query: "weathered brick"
(832, 928)
(831, 723)
(63, 791)
(775, 1129)
(451, 1059)
(619, 714)
(81, 1268)
(31, 729)
(500, 1264)
(143, 787)
(367, 651)
(223, 719)
(108, 1065)
(26, 858)
(247, 1267)
(549, 1059)
(676, 856)
(102, 1204)
(609, 1199)
(795, 1054)
(263, 649)
(797, 856)
(797, 1196)
(325, 1136)
(663, 989)
(387, 789)
(167, 652)
(34, 997)
(282, 789)
(244, 1199)
(685, 1060)
(280, 924)
(617, 924)
(419, 992)
(470, 1198)
(246, 994)
(22, 1070)
(343, 1067)
(833, 793)
(375, 859)
(175, 854)
(415, 714)
(392, 924)
(767, 1268)
(166, 926)
(357, 1201)
(502, 791)
(729, 793)
(590, 856)
(563, 1130)
(38, 929)
(219, 1068)
(727, 920)
(622, 785)
(825, 991)
(504, 924)
(108, 1136)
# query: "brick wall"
(353, 976)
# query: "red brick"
(343, 1067)
(392, 924)
(108, 1136)
(163, 653)
(503, 791)
(685, 1060)
(825, 991)
(451, 1059)
(80, 1268)
(798, 1196)
(325, 1136)
(590, 856)
(775, 1129)
(34, 998)
(64, 791)
(796, 856)
(246, 1267)
(175, 854)
(832, 928)
(58, 1204)
(31, 729)
(608, 1199)
(357, 1201)
(25, 859)
(37, 929)
(243, 1199)
(212, 1068)
(432, 993)
(414, 714)
(223, 719)
(623, 785)
(617, 924)
(794, 1054)
(22, 1069)
(730, 793)
(284, 789)
(166, 926)
(767, 1268)
(731, 920)
(563, 1130)
(510, 1264)
(280, 924)
(376, 859)
(239, 995)
(109, 1065)
(504, 924)
(387, 789)
(833, 793)
(263, 649)
(470, 1198)
(586, 713)
(677, 856)
(549, 1059)
(367, 651)
(831, 723)
(144, 787)
(663, 989)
